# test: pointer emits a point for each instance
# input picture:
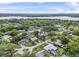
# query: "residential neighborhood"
(39, 38)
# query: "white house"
(7, 37)
(50, 47)
(58, 42)
(23, 41)
(40, 54)
(54, 52)
(43, 34)
(34, 38)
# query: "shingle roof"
(23, 41)
(54, 52)
(34, 38)
(50, 47)
(40, 53)
(58, 42)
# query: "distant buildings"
(43, 34)
(34, 38)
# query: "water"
(53, 17)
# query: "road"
(20, 50)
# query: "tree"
(64, 39)
(26, 54)
(53, 38)
(3, 51)
(8, 49)
(60, 52)
(13, 32)
(42, 38)
(72, 48)
(11, 48)
(1, 33)
(76, 32)
(36, 33)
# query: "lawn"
(38, 48)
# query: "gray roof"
(6, 33)
(34, 38)
(23, 41)
(17, 24)
(43, 34)
(58, 42)
(40, 54)
(50, 47)
(7, 37)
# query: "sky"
(39, 7)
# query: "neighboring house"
(34, 38)
(69, 34)
(70, 27)
(7, 37)
(43, 34)
(51, 48)
(58, 26)
(58, 42)
(23, 41)
(6, 33)
(54, 52)
(40, 54)
(17, 24)
(53, 32)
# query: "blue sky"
(39, 7)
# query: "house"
(17, 24)
(40, 54)
(51, 48)
(53, 32)
(7, 37)
(34, 38)
(54, 52)
(69, 34)
(58, 42)
(23, 41)
(58, 26)
(42, 33)
(6, 33)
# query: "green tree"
(72, 48)
(64, 39)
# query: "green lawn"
(38, 48)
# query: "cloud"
(73, 7)
(69, 7)
(21, 7)
(58, 9)
(74, 11)
(40, 2)
(72, 4)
